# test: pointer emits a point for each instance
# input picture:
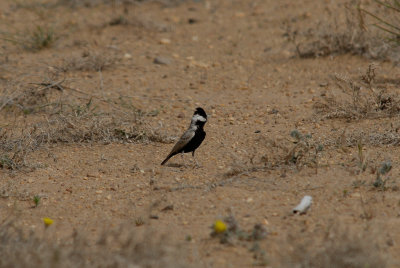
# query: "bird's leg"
(197, 164)
(183, 159)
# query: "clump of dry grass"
(89, 61)
(358, 98)
(34, 39)
(119, 248)
(29, 94)
(339, 35)
(67, 116)
(72, 127)
(296, 151)
(339, 248)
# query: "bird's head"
(199, 117)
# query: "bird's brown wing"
(184, 139)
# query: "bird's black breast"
(195, 142)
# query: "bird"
(193, 136)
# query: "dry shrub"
(338, 248)
(68, 127)
(68, 118)
(120, 248)
(340, 34)
(297, 150)
(391, 138)
(359, 98)
(26, 96)
(89, 61)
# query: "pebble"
(162, 60)
(99, 192)
(165, 41)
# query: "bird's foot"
(196, 165)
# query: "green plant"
(36, 200)
(42, 37)
(39, 38)
(380, 180)
(139, 221)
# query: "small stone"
(162, 60)
(127, 56)
(169, 207)
(99, 192)
(323, 84)
(165, 41)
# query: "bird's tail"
(166, 159)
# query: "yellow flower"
(219, 226)
(47, 222)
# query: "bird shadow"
(176, 165)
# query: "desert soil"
(233, 59)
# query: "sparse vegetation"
(381, 175)
(361, 98)
(139, 221)
(69, 119)
(338, 35)
(305, 150)
(119, 248)
(388, 22)
(338, 248)
(36, 200)
(228, 231)
(89, 61)
(38, 38)
(42, 38)
(83, 103)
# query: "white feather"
(198, 117)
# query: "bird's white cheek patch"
(197, 117)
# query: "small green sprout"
(36, 200)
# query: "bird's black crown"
(200, 111)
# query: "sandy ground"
(231, 58)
